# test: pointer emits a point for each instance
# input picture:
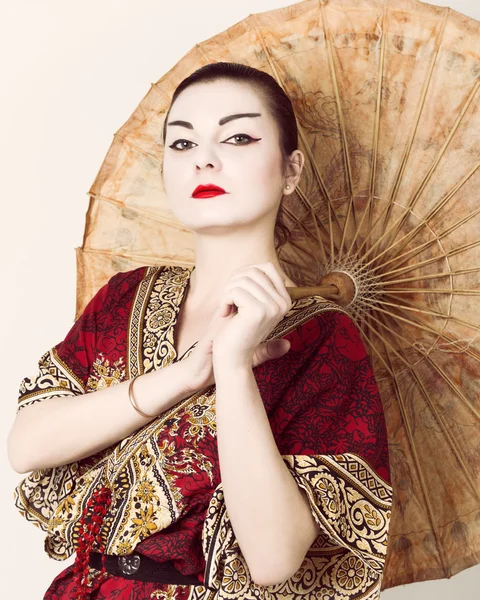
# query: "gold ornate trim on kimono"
(351, 504)
(55, 379)
(138, 469)
(39, 495)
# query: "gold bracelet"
(133, 401)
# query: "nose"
(206, 158)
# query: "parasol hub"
(344, 291)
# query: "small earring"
(288, 187)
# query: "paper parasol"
(387, 99)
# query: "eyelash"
(235, 135)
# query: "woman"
(252, 462)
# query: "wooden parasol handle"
(336, 285)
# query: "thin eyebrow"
(222, 121)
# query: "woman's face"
(242, 156)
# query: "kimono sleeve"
(63, 370)
(328, 422)
(335, 446)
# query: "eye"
(176, 142)
(237, 135)
(243, 135)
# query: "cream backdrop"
(71, 74)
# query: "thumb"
(270, 350)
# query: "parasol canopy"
(387, 100)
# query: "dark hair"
(276, 101)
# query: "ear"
(295, 166)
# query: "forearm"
(61, 430)
(269, 514)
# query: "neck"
(216, 261)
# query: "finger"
(277, 280)
(258, 283)
(277, 283)
(214, 324)
(270, 350)
(247, 293)
(227, 307)
(225, 311)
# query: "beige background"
(71, 75)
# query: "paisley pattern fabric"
(326, 416)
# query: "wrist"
(228, 362)
(230, 376)
(189, 382)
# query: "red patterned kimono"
(167, 503)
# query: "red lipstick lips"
(207, 191)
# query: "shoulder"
(339, 321)
(118, 290)
(337, 332)
(125, 282)
(104, 320)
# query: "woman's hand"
(254, 301)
